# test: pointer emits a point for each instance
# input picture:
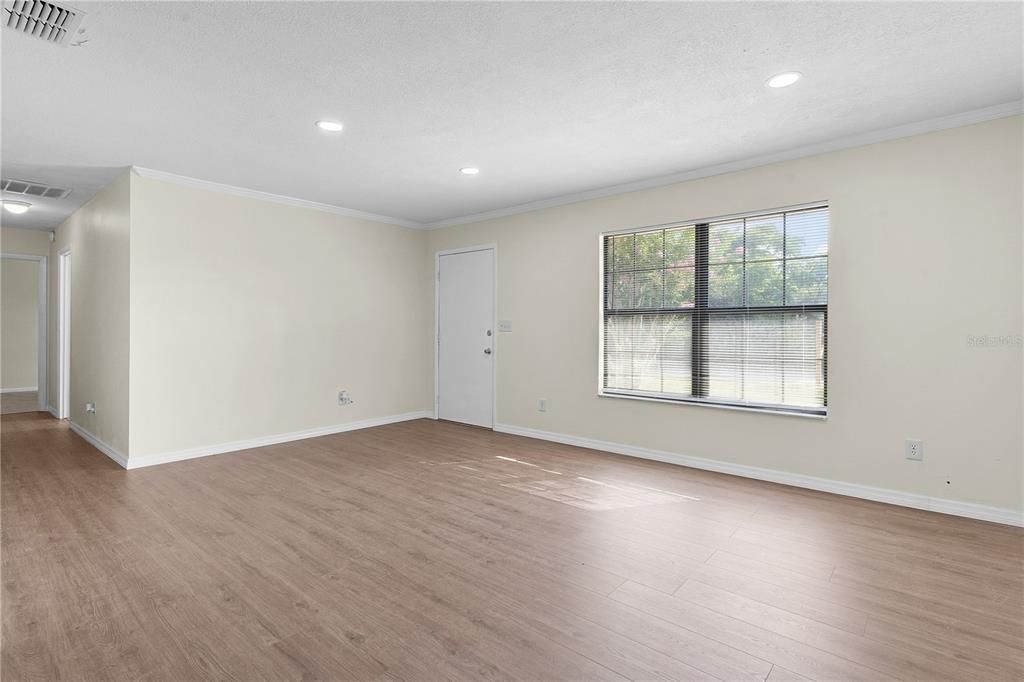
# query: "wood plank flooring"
(19, 401)
(427, 551)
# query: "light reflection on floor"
(566, 487)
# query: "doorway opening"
(24, 346)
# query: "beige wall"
(98, 236)
(925, 253)
(248, 316)
(24, 242)
(19, 345)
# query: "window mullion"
(699, 321)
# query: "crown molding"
(267, 196)
(883, 135)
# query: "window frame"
(700, 314)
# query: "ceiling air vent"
(33, 189)
(46, 20)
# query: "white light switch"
(504, 325)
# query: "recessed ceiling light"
(469, 170)
(16, 206)
(329, 126)
(784, 80)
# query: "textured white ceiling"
(547, 99)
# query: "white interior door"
(64, 334)
(465, 337)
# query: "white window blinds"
(731, 311)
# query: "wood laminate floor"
(20, 401)
(427, 551)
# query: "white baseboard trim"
(23, 389)
(866, 492)
(94, 441)
(222, 448)
(53, 410)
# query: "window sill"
(720, 406)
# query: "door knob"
(487, 351)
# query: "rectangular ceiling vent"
(33, 189)
(46, 20)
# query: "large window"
(729, 312)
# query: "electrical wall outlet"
(914, 450)
(343, 398)
(90, 407)
(542, 405)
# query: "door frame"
(42, 378)
(493, 248)
(64, 333)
